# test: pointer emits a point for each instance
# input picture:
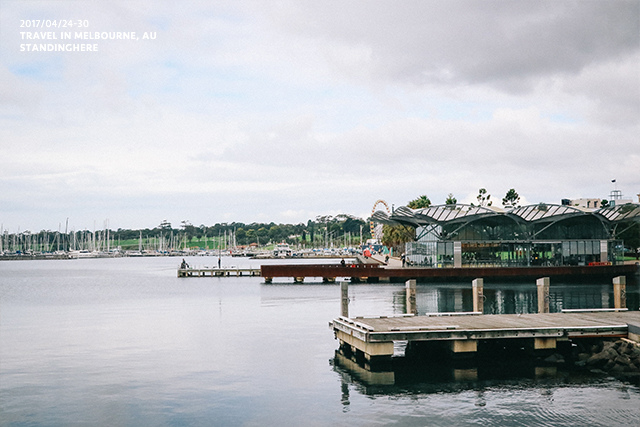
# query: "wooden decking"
(455, 326)
(375, 336)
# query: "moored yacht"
(282, 250)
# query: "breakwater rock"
(620, 358)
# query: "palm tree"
(396, 236)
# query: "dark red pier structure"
(375, 273)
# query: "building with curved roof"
(540, 234)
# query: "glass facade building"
(544, 234)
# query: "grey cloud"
(461, 42)
(582, 54)
(325, 105)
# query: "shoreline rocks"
(620, 358)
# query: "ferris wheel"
(376, 232)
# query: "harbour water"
(124, 342)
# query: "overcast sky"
(257, 111)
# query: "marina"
(320, 214)
(125, 341)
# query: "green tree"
(241, 236)
(604, 203)
(263, 235)
(483, 198)
(189, 229)
(396, 236)
(511, 199)
(274, 234)
(311, 226)
(350, 224)
(451, 200)
(419, 203)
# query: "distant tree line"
(323, 231)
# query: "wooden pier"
(374, 337)
(218, 272)
(376, 273)
(328, 272)
(464, 333)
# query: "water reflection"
(126, 342)
(507, 382)
(512, 298)
(512, 393)
(431, 375)
(502, 298)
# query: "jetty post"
(478, 295)
(543, 294)
(620, 292)
(357, 342)
(410, 290)
(344, 301)
(543, 307)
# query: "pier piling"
(543, 294)
(464, 335)
(478, 295)
(410, 290)
(620, 292)
(344, 302)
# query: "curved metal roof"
(453, 213)
(544, 212)
(620, 213)
(541, 212)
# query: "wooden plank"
(489, 326)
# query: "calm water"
(123, 342)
